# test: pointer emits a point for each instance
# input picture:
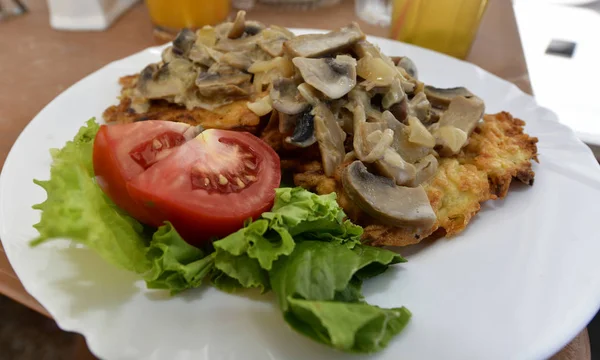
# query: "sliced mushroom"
(345, 118)
(168, 55)
(408, 151)
(315, 45)
(376, 142)
(426, 169)
(360, 96)
(330, 137)
(333, 77)
(272, 41)
(240, 44)
(171, 79)
(184, 42)
(204, 55)
(393, 166)
(237, 59)
(393, 95)
(463, 113)
(310, 94)
(441, 98)
(395, 101)
(408, 65)
(382, 199)
(418, 133)
(359, 140)
(253, 27)
(286, 98)
(420, 107)
(265, 72)
(211, 84)
(304, 133)
(239, 25)
(371, 144)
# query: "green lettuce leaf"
(356, 327)
(77, 209)
(307, 215)
(318, 290)
(244, 257)
(176, 265)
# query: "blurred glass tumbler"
(447, 26)
(170, 16)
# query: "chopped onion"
(262, 106)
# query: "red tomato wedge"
(206, 185)
(122, 152)
(210, 185)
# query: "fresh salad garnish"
(153, 169)
(301, 246)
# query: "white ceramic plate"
(519, 283)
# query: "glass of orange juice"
(170, 16)
(447, 26)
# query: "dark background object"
(561, 48)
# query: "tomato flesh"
(210, 185)
(121, 153)
(206, 185)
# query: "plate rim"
(544, 352)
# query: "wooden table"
(37, 63)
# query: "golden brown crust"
(455, 193)
(235, 115)
(498, 151)
(501, 149)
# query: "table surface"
(39, 63)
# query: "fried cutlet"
(234, 115)
(498, 152)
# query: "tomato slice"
(210, 185)
(122, 152)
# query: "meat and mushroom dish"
(407, 160)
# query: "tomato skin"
(196, 213)
(116, 163)
(112, 180)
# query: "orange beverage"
(447, 26)
(174, 15)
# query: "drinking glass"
(170, 16)
(447, 26)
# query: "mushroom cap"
(333, 77)
(383, 200)
(315, 45)
(407, 64)
(286, 97)
(441, 97)
(170, 79)
(330, 137)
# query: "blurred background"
(548, 48)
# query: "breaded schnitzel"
(407, 160)
(234, 116)
(498, 152)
